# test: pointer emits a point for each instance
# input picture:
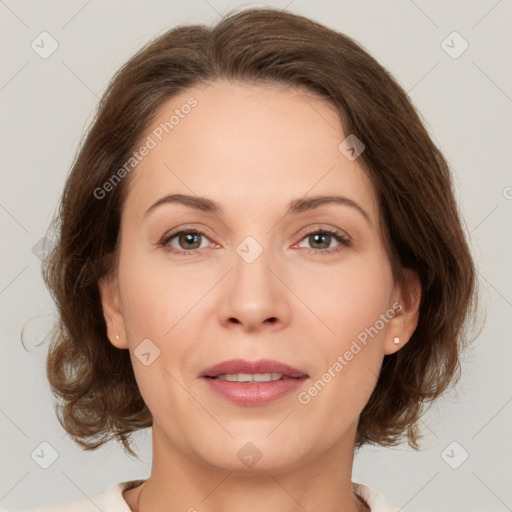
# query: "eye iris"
(319, 236)
(188, 238)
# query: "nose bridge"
(252, 279)
(254, 295)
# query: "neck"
(181, 482)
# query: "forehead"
(247, 146)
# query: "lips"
(224, 380)
(237, 366)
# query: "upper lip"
(235, 366)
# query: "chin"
(246, 454)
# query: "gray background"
(466, 104)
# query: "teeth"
(250, 377)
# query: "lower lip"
(248, 393)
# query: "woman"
(259, 256)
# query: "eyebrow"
(294, 207)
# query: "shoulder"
(374, 499)
(111, 500)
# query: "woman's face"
(258, 278)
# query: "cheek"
(155, 297)
(159, 304)
(351, 299)
(154, 304)
(353, 305)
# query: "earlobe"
(112, 312)
(405, 321)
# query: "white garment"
(111, 500)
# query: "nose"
(254, 295)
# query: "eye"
(188, 241)
(320, 241)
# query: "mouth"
(253, 383)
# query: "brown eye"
(320, 241)
(185, 241)
(189, 240)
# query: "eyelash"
(338, 235)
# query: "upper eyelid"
(313, 227)
(316, 228)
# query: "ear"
(406, 305)
(112, 311)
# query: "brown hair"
(99, 397)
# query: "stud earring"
(396, 340)
(117, 336)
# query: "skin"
(252, 149)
